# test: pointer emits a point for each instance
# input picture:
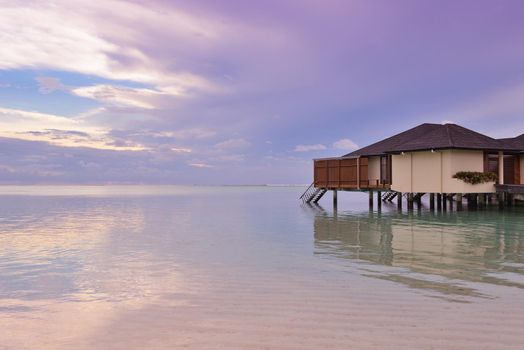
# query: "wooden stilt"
(482, 200)
(410, 200)
(450, 199)
(432, 201)
(370, 199)
(459, 201)
(399, 200)
(419, 201)
(379, 199)
(510, 199)
(335, 199)
(444, 199)
(439, 202)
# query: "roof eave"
(487, 149)
(335, 158)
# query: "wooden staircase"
(389, 196)
(312, 194)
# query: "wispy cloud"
(345, 145)
(233, 144)
(309, 148)
(120, 96)
(47, 85)
(504, 104)
(200, 165)
(181, 150)
(184, 134)
(58, 130)
(109, 48)
(219, 79)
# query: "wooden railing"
(308, 192)
(341, 173)
(344, 173)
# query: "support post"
(482, 200)
(510, 199)
(439, 201)
(335, 199)
(399, 201)
(379, 199)
(444, 201)
(475, 200)
(410, 200)
(370, 199)
(501, 167)
(432, 201)
(450, 199)
(459, 201)
(358, 173)
(501, 199)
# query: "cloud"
(119, 95)
(183, 134)
(345, 145)
(181, 150)
(16, 120)
(505, 105)
(501, 102)
(47, 85)
(309, 148)
(168, 76)
(230, 158)
(105, 40)
(200, 165)
(58, 130)
(232, 144)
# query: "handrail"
(308, 190)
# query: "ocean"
(190, 267)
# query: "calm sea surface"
(251, 268)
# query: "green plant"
(475, 177)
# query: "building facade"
(425, 159)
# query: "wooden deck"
(511, 189)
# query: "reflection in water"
(51, 255)
(442, 251)
(68, 259)
(244, 268)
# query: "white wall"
(426, 172)
(463, 160)
(433, 171)
(401, 172)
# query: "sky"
(218, 92)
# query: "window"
(385, 170)
(492, 165)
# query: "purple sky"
(242, 92)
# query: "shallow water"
(250, 268)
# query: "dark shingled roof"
(515, 142)
(436, 136)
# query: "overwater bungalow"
(443, 160)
